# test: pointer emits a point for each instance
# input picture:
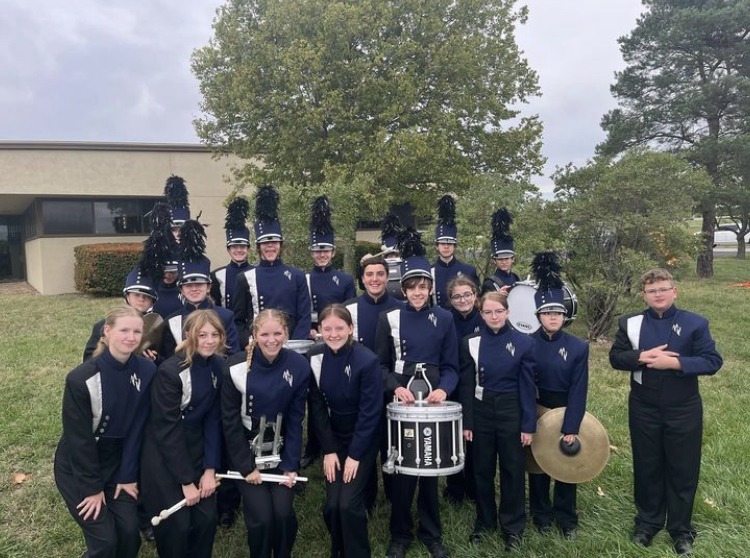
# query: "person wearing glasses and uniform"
(503, 254)
(665, 349)
(447, 266)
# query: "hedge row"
(101, 269)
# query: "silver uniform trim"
(221, 276)
(187, 388)
(252, 286)
(474, 352)
(316, 364)
(175, 326)
(353, 311)
(94, 385)
(434, 290)
(394, 320)
(634, 324)
(238, 373)
(309, 290)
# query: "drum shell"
(428, 438)
(300, 346)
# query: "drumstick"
(264, 477)
(164, 514)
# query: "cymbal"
(153, 328)
(572, 464)
(531, 465)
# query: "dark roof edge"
(104, 146)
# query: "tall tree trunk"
(740, 246)
(705, 264)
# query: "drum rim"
(432, 472)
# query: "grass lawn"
(43, 338)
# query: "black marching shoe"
(477, 537)
(226, 520)
(569, 533)
(396, 550)
(512, 541)
(437, 550)
(683, 547)
(641, 538)
(148, 533)
(544, 528)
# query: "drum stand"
(264, 459)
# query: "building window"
(106, 217)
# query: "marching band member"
(182, 444)
(272, 284)
(104, 409)
(503, 254)
(238, 241)
(447, 266)
(497, 394)
(327, 286)
(269, 381)
(164, 222)
(416, 334)
(463, 295)
(195, 284)
(365, 311)
(346, 400)
(562, 372)
(665, 349)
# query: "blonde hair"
(192, 327)
(655, 276)
(494, 296)
(109, 321)
(260, 319)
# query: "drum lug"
(390, 465)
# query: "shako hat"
(321, 229)
(446, 231)
(177, 198)
(502, 242)
(194, 267)
(412, 250)
(549, 296)
(267, 226)
(390, 228)
(235, 224)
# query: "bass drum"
(522, 307)
(394, 278)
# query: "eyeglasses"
(465, 296)
(494, 312)
(660, 290)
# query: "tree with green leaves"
(620, 218)
(686, 88)
(406, 100)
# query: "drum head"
(300, 346)
(522, 308)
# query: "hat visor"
(269, 238)
(504, 254)
(238, 242)
(447, 240)
(412, 273)
(322, 246)
(194, 278)
(139, 289)
(552, 307)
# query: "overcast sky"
(119, 70)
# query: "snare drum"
(300, 346)
(425, 440)
(522, 307)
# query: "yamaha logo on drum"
(523, 325)
(427, 446)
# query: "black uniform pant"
(461, 484)
(665, 432)
(115, 533)
(562, 507)
(371, 490)
(312, 447)
(497, 436)
(403, 488)
(189, 532)
(344, 512)
(269, 517)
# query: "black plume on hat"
(176, 192)
(501, 222)
(391, 227)
(409, 243)
(320, 220)
(267, 204)
(546, 270)
(161, 218)
(447, 211)
(156, 253)
(237, 213)
(192, 241)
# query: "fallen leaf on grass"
(599, 491)
(710, 503)
(20, 478)
(613, 448)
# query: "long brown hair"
(263, 316)
(109, 321)
(193, 325)
(462, 281)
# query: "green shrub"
(101, 269)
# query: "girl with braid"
(266, 382)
